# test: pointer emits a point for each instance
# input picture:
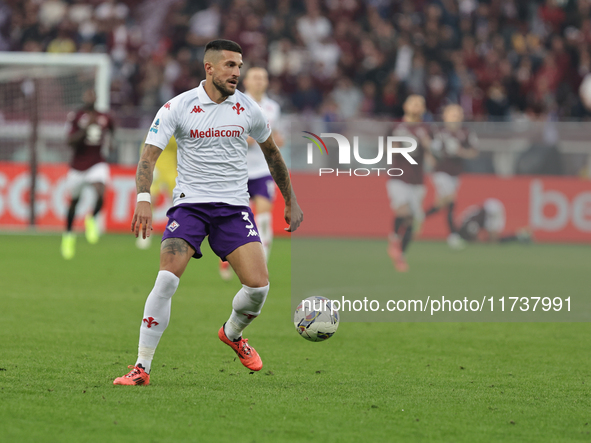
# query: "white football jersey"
(257, 165)
(212, 147)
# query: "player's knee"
(256, 282)
(166, 284)
(250, 299)
(99, 188)
(175, 254)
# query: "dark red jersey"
(412, 174)
(445, 148)
(87, 152)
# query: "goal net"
(37, 92)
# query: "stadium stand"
(498, 59)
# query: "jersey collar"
(205, 100)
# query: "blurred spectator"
(494, 58)
(347, 97)
(307, 97)
(313, 27)
(62, 43)
(204, 25)
(368, 99)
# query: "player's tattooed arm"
(277, 167)
(293, 213)
(145, 168)
(142, 217)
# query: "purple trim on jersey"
(228, 227)
(262, 186)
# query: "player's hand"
(293, 215)
(142, 220)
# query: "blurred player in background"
(261, 186)
(164, 181)
(451, 145)
(88, 130)
(407, 191)
(486, 222)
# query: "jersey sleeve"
(260, 128)
(163, 126)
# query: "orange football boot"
(249, 357)
(137, 376)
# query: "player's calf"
(246, 306)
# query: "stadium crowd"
(339, 58)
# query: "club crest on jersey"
(155, 127)
(171, 227)
(197, 110)
(237, 108)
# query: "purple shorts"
(264, 186)
(228, 227)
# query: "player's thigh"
(99, 188)
(75, 183)
(234, 237)
(400, 197)
(248, 261)
(262, 204)
(262, 192)
(187, 227)
(446, 186)
(98, 173)
(175, 254)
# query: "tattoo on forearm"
(279, 172)
(143, 176)
(175, 246)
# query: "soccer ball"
(315, 320)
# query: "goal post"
(37, 92)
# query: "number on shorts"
(245, 217)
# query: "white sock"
(247, 305)
(264, 222)
(156, 317)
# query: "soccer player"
(487, 221)
(406, 192)
(87, 130)
(211, 124)
(451, 146)
(261, 186)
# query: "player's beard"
(221, 86)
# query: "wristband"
(144, 197)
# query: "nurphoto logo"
(394, 145)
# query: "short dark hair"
(223, 45)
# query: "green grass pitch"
(67, 329)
